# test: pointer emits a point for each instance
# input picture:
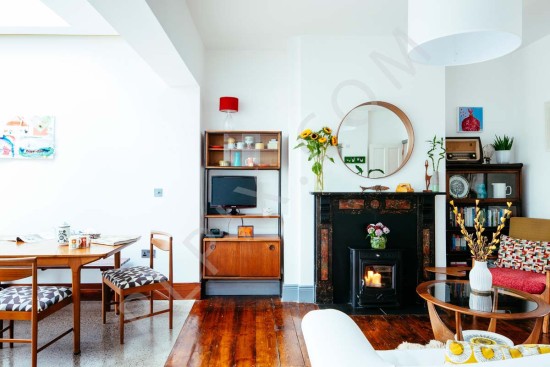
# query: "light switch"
(158, 193)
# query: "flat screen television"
(233, 192)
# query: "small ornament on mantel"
(377, 188)
(427, 177)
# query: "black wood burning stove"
(375, 278)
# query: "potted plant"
(480, 246)
(436, 153)
(378, 235)
(503, 146)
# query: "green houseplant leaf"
(503, 143)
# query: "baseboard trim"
(298, 293)
(242, 288)
(92, 291)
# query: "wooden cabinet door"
(221, 259)
(260, 259)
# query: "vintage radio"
(464, 150)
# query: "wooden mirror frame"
(406, 123)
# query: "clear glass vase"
(319, 184)
(434, 182)
(378, 243)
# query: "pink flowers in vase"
(377, 230)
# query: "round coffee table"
(504, 304)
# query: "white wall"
(512, 90)
(120, 132)
(336, 74)
(314, 83)
(491, 85)
(260, 81)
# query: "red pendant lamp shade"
(229, 104)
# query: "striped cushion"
(20, 298)
(135, 276)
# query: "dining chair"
(32, 303)
(140, 279)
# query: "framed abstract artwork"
(470, 119)
(27, 137)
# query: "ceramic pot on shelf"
(503, 156)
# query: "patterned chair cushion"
(135, 276)
(519, 254)
(20, 298)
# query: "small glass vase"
(319, 183)
(481, 279)
(378, 243)
(434, 182)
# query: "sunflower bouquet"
(317, 143)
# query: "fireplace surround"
(340, 220)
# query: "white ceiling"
(267, 24)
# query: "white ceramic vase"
(481, 303)
(481, 279)
(503, 156)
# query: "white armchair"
(334, 339)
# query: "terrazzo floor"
(147, 342)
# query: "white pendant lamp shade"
(458, 32)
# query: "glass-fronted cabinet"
(494, 185)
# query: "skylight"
(28, 13)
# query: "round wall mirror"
(376, 139)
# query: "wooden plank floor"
(242, 331)
(263, 331)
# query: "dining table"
(51, 254)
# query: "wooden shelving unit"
(475, 174)
(232, 257)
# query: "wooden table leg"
(117, 265)
(493, 322)
(76, 265)
(535, 334)
(492, 325)
(458, 323)
(440, 330)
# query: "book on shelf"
(22, 238)
(114, 240)
(458, 243)
(490, 215)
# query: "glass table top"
(500, 300)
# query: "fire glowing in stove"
(372, 279)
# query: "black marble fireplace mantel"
(340, 221)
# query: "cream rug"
(433, 344)
(147, 342)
